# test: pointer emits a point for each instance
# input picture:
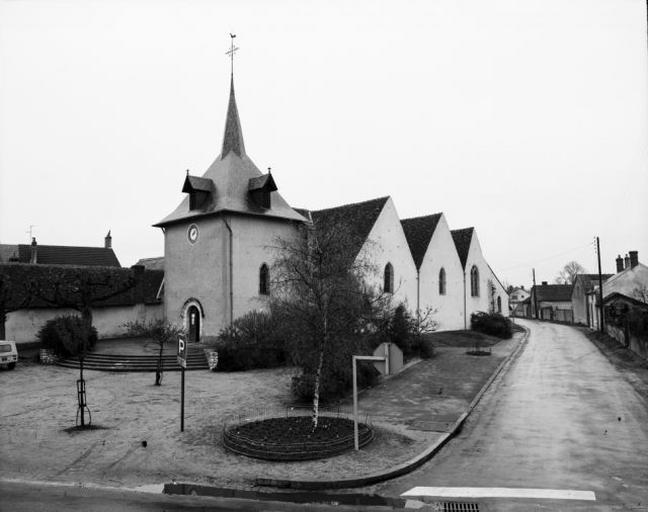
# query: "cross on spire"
(233, 49)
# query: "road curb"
(407, 466)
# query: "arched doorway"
(193, 315)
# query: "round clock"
(192, 233)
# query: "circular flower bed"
(293, 438)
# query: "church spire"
(233, 138)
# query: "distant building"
(630, 280)
(584, 284)
(60, 254)
(552, 302)
(517, 299)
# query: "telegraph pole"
(601, 311)
(535, 297)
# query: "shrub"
(493, 324)
(65, 335)
(252, 341)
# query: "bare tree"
(569, 272)
(162, 332)
(641, 293)
(319, 283)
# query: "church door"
(194, 323)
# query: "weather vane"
(232, 51)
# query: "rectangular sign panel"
(182, 352)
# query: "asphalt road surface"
(561, 418)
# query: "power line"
(535, 262)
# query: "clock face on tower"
(192, 233)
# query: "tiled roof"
(358, 218)
(553, 292)
(144, 291)
(229, 176)
(418, 232)
(69, 255)
(264, 181)
(462, 239)
(591, 280)
(152, 263)
(195, 183)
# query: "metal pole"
(535, 296)
(182, 393)
(356, 441)
(601, 313)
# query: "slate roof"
(418, 232)
(462, 239)
(195, 183)
(61, 255)
(152, 263)
(553, 292)
(358, 218)
(230, 176)
(264, 181)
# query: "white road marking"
(501, 492)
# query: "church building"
(218, 252)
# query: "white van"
(8, 354)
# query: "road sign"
(393, 358)
(182, 352)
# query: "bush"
(252, 341)
(493, 324)
(65, 335)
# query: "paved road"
(562, 417)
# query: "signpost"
(182, 361)
(387, 364)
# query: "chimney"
(523, 287)
(619, 263)
(544, 283)
(108, 241)
(627, 261)
(634, 258)
(34, 251)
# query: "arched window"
(499, 304)
(264, 280)
(474, 281)
(442, 281)
(388, 286)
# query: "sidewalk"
(410, 413)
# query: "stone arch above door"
(193, 316)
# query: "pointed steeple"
(233, 138)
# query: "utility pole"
(535, 298)
(601, 311)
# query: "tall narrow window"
(499, 304)
(442, 281)
(264, 280)
(388, 286)
(474, 281)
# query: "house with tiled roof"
(60, 254)
(219, 246)
(552, 301)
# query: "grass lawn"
(461, 339)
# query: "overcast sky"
(527, 119)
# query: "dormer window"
(199, 190)
(260, 189)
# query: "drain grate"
(458, 506)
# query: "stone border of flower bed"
(405, 467)
(237, 442)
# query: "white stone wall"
(441, 253)
(387, 243)
(199, 273)
(23, 326)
